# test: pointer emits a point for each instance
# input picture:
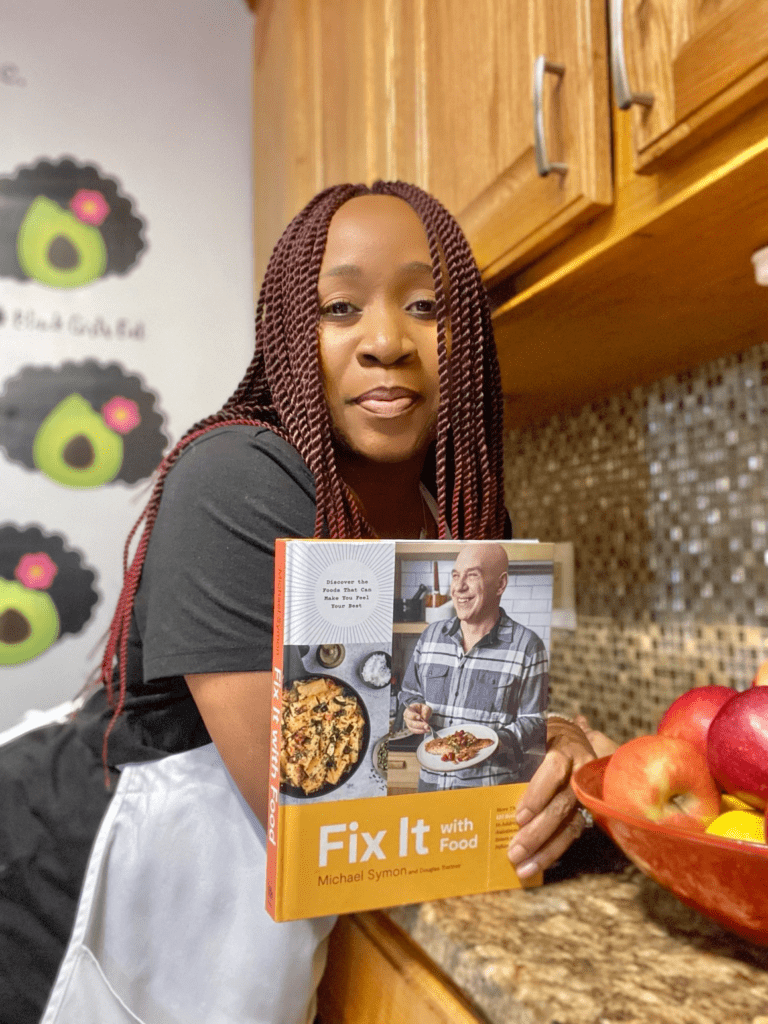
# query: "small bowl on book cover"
(725, 879)
(375, 670)
(330, 655)
(380, 755)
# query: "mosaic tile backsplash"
(663, 492)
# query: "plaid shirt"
(502, 682)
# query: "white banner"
(126, 306)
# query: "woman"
(372, 407)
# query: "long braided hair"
(283, 390)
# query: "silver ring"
(589, 821)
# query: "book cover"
(372, 640)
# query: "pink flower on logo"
(121, 414)
(36, 571)
(89, 206)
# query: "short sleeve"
(206, 594)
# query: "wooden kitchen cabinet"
(627, 277)
(334, 95)
(478, 122)
(376, 974)
(695, 65)
(437, 92)
(661, 283)
(662, 280)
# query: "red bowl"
(726, 879)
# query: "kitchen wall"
(662, 490)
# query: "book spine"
(274, 873)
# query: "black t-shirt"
(205, 599)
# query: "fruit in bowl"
(739, 824)
(737, 746)
(690, 715)
(662, 778)
(726, 879)
(689, 805)
(731, 729)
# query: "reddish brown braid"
(283, 391)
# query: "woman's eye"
(339, 308)
(423, 308)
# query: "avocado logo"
(75, 446)
(57, 249)
(83, 425)
(29, 622)
(65, 225)
(45, 591)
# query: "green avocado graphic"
(29, 622)
(74, 446)
(57, 249)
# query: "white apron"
(171, 926)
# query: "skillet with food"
(325, 734)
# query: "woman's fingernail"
(516, 852)
(527, 869)
(523, 816)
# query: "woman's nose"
(385, 338)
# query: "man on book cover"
(479, 667)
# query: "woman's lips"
(387, 401)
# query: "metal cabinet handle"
(543, 165)
(625, 98)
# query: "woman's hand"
(548, 813)
(602, 745)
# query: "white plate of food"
(457, 746)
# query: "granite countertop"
(609, 948)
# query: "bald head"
(492, 557)
(478, 580)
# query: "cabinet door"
(285, 165)
(700, 63)
(335, 85)
(478, 71)
(352, 87)
(377, 974)
(437, 92)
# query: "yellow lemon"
(747, 825)
(729, 802)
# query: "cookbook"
(409, 694)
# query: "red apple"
(761, 676)
(689, 717)
(737, 746)
(662, 778)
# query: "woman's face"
(378, 332)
